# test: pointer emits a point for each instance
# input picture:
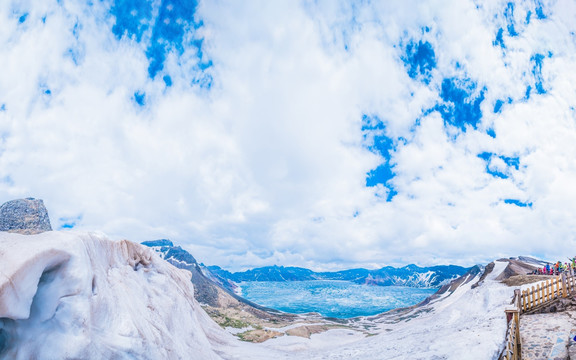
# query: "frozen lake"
(341, 299)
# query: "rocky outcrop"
(453, 285)
(228, 309)
(24, 216)
(206, 291)
(517, 267)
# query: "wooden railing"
(548, 290)
(513, 348)
(530, 299)
(570, 282)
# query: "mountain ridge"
(207, 290)
(409, 275)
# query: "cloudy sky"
(326, 134)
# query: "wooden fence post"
(524, 300)
(517, 320)
(564, 285)
(518, 338)
(514, 342)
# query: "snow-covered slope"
(466, 323)
(69, 295)
(82, 296)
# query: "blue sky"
(326, 134)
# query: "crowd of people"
(556, 268)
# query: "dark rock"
(456, 283)
(24, 216)
(206, 290)
(556, 305)
(517, 267)
(182, 256)
(487, 270)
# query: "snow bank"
(66, 295)
(468, 323)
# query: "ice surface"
(334, 298)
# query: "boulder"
(24, 216)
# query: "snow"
(448, 328)
(66, 295)
(236, 331)
(76, 295)
(326, 340)
(427, 279)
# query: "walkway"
(547, 336)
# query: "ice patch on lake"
(332, 298)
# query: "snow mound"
(67, 295)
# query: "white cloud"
(267, 166)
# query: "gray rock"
(24, 216)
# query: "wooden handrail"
(544, 292)
(513, 347)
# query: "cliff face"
(24, 216)
(206, 290)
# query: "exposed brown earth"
(259, 335)
(307, 330)
(518, 280)
(263, 326)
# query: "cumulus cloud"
(239, 129)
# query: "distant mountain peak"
(409, 275)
